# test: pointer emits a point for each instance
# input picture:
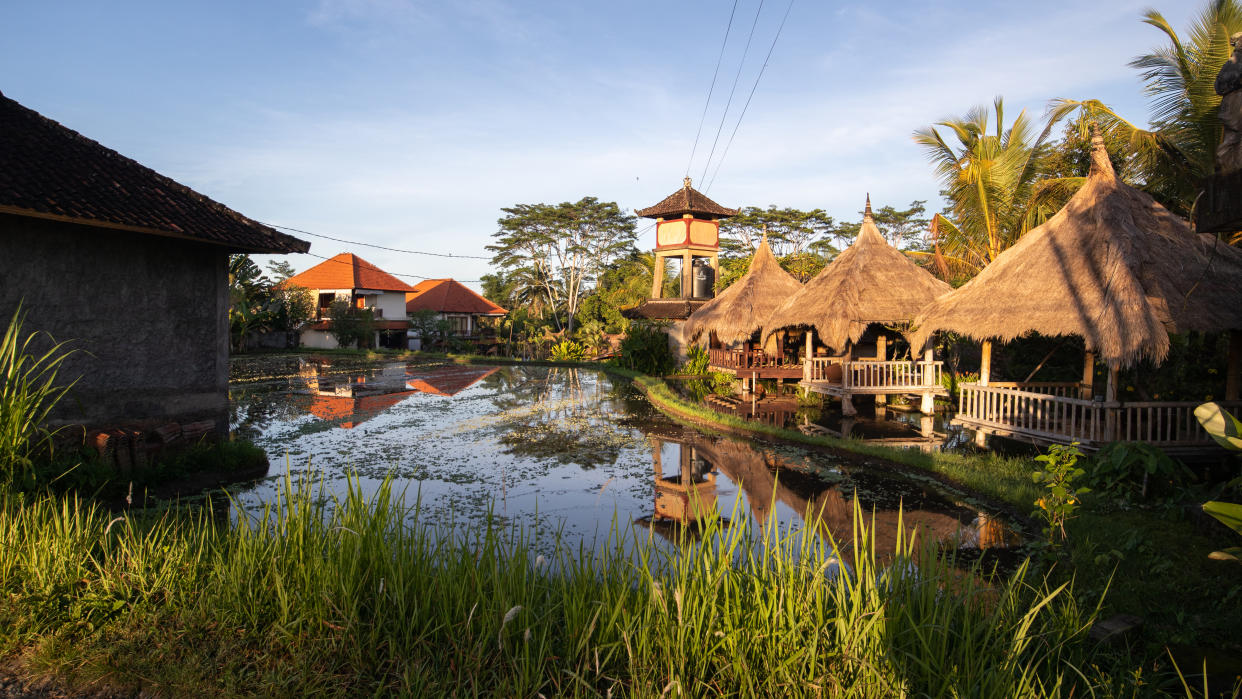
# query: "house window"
(460, 325)
(325, 302)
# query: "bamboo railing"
(742, 359)
(1047, 412)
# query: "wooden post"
(927, 426)
(1087, 391)
(657, 277)
(881, 348)
(985, 363)
(687, 274)
(1110, 404)
(1232, 379)
(927, 404)
(847, 405)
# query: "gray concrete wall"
(148, 315)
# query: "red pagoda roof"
(449, 296)
(347, 271)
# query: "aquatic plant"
(28, 392)
(315, 593)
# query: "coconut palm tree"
(1178, 149)
(995, 182)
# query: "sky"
(409, 124)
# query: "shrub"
(697, 360)
(1135, 472)
(568, 351)
(645, 349)
(351, 325)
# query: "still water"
(564, 450)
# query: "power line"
(395, 274)
(751, 96)
(372, 245)
(729, 101)
(711, 89)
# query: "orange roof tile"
(360, 409)
(448, 296)
(348, 271)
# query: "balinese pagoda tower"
(687, 228)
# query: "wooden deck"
(752, 364)
(836, 376)
(1049, 413)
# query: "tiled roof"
(663, 309)
(686, 200)
(448, 296)
(449, 381)
(348, 271)
(52, 172)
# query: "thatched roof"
(870, 282)
(747, 304)
(1113, 267)
(686, 200)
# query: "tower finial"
(765, 232)
(685, 182)
(867, 211)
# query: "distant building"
(470, 315)
(362, 285)
(129, 265)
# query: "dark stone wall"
(147, 314)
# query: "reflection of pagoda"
(354, 398)
(688, 235)
(687, 494)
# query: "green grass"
(344, 598)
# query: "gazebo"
(730, 323)
(1117, 269)
(851, 307)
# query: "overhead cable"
(711, 89)
(372, 245)
(728, 102)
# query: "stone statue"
(1229, 87)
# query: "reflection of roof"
(360, 409)
(448, 381)
(49, 171)
(347, 271)
(448, 296)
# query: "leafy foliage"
(351, 325)
(568, 351)
(1134, 472)
(1061, 499)
(645, 350)
(560, 248)
(696, 362)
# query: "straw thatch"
(870, 282)
(1113, 267)
(746, 305)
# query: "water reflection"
(559, 450)
(695, 472)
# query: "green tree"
(351, 325)
(790, 231)
(1179, 77)
(248, 300)
(562, 247)
(902, 228)
(280, 270)
(995, 183)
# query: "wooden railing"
(871, 374)
(1065, 419)
(1063, 389)
(742, 359)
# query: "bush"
(568, 351)
(645, 350)
(351, 325)
(697, 360)
(1130, 472)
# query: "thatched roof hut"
(1113, 267)
(746, 305)
(871, 282)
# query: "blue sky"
(410, 124)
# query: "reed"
(28, 392)
(350, 595)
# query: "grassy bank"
(346, 599)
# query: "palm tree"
(995, 183)
(1179, 148)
